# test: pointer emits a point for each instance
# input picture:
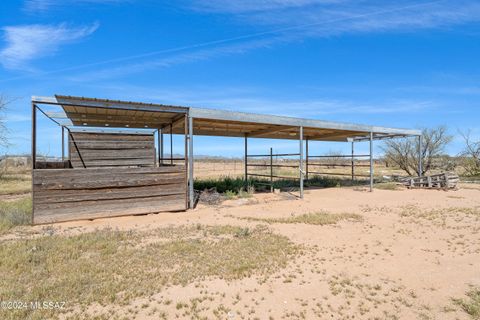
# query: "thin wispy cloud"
(249, 6)
(234, 99)
(39, 6)
(169, 61)
(346, 15)
(25, 43)
(320, 18)
(278, 22)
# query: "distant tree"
(3, 128)
(404, 153)
(470, 155)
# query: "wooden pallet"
(445, 180)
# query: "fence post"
(271, 169)
(353, 161)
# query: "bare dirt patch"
(412, 256)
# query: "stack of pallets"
(445, 180)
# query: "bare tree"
(405, 153)
(470, 155)
(3, 128)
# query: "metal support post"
(190, 163)
(160, 147)
(301, 162)
(34, 135)
(306, 159)
(63, 143)
(371, 161)
(171, 144)
(246, 161)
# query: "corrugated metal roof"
(93, 112)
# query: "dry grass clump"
(442, 213)
(114, 267)
(315, 218)
(393, 186)
(472, 304)
(15, 182)
(16, 212)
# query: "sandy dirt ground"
(413, 252)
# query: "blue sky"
(393, 63)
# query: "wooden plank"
(107, 182)
(107, 210)
(102, 136)
(121, 203)
(72, 194)
(92, 149)
(114, 153)
(111, 145)
(113, 163)
(57, 196)
(67, 173)
(110, 176)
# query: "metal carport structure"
(81, 113)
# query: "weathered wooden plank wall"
(74, 194)
(98, 149)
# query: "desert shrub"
(315, 218)
(389, 186)
(222, 184)
(472, 304)
(229, 194)
(236, 186)
(14, 213)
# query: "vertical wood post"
(371, 161)
(246, 161)
(171, 144)
(191, 192)
(301, 161)
(63, 143)
(34, 135)
(306, 159)
(271, 169)
(420, 162)
(353, 161)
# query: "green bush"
(222, 184)
(229, 194)
(237, 185)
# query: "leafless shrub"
(405, 153)
(3, 128)
(470, 155)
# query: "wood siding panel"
(111, 150)
(75, 194)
